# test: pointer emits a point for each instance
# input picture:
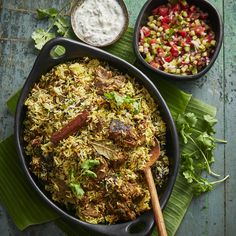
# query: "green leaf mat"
(27, 208)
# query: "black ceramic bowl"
(214, 21)
(43, 64)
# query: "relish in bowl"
(178, 39)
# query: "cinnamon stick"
(71, 127)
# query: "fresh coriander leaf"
(109, 96)
(123, 101)
(119, 99)
(206, 142)
(72, 174)
(207, 145)
(128, 100)
(203, 185)
(192, 164)
(90, 173)
(136, 107)
(46, 13)
(205, 152)
(209, 123)
(62, 24)
(70, 34)
(185, 124)
(76, 189)
(188, 175)
(187, 161)
(184, 135)
(183, 128)
(200, 165)
(89, 164)
(191, 119)
(40, 37)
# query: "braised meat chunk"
(105, 81)
(123, 134)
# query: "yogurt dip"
(98, 22)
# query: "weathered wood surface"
(212, 214)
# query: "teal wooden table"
(212, 214)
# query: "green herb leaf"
(136, 107)
(185, 124)
(40, 37)
(188, 175)
(89, 164)
(109, 96)
(62, 24)
(76, 189)
(90, 173)
(123, 101)
(187, 161)
(194, 162)
(119, 99)
(206, 142)
(202, 186)
(209, 123)
(46, 13)
(72, 174)
(70, 34)
(191, 119)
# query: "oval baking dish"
(73, 50)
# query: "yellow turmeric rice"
(95, 172)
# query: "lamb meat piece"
(119, 80)
(104, 81)
(102, 170)
(124, 212)
(118, 129)
(90, 210)
(123, 134)
(118, 160)
(121, 210)
(103, 73)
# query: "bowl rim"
(175, 76)
(42, 60)
(124, 27)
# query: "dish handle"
(69, 49)
(141, 226)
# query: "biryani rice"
(97, 171)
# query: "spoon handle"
(158, 216)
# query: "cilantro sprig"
(194, 162)
(123, 101)
(86, 167)
(60, 26)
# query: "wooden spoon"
(155, 153)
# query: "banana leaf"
(123, 48)
(21, 201)
(26, 208)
